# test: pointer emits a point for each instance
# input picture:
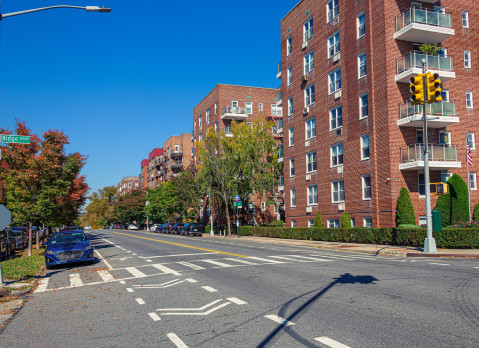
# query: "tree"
(404, 209)
(318, 220)
(345, 220)
(130, 207)
(430, 48)
(188, 191)
(99, 211)
(475, 214)
(454, 205)
(164, 205)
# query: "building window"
(293, 197)
(308, 29)
(445, 176)
(465, 19)
(472, 140)
(290, 75)
(353, 223)
(366, 181)
(310, 128)
(421, 183)
(289, 49)
(311, 162)
(333, 223)
(129, 185)
(200, 122)
(467, 59)
(200, 137)
(249, 108)
(136, 184)
(362, 65)
(276, 110)
(360, 25)
(445, 137)
(368, 222)
(332, 9)
(260, 106)
(234, 104)
(336, 117)
(473, 179)
(263, 206)
(216, 126)
(310, 222)
(216, 108)
(469, 103)
(309, 62)
(309, 95)
(207, 116)
(337, 155)
(293, 223)
(291, 167)
(333, 44)
(290, 106)
(363, 106)
(291, 136)
(335, 81)
(313, 195)
(365, 146)
(338, 191)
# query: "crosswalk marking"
(241, 261)
(75, 280)
(105, 275)
(330, 342)
(279, 320)
(42, 285)
(265, 260)
(190, 265)
(217, 263)
(166, 269)
(135, 272)
(297, 258)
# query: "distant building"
(155, 168)
(177, 156)
(144, 173)
(128, 184)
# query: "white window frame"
(473, 181)
(289, 48)
(291, 167)
(467, 59)
(364, 179)
(200, 137)
(336, 189)
(333, 44)
(334, 79)
(216, 108)
(207, 116)
(472, 140)
(363, 108)
(362, 66)
(360, 27)
(353, 222)
(308, 29)
(419, 184)
(336, 115)
(311, 162)
(216, 126)
(363, 157)
(234, 103)
(248, 106)
(465, 19)
(308, 62)
(293, 223)
(332, 10)
(309, 95)
(200, 121)
(312, 192)
(263, 206)
(290, 106)
(291, 136)
(310, 223)
(445, 175)
(448, 137)
(366, 221)
(310, 128)
(339, 155)
(292, 198)
(260, 106)
(289, 75)
(469, 101)
(333, 223)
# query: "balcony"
(276, 132)
(278, 75)
(281, 184)
(441, 157)
(422, 25)
(228, 131)
(279, 99)
(411, 64)
(176, 164)
(280, 155)
(235, 113)
(175, 153)
(439, 115)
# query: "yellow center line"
(183, 245)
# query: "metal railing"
(280, 96)
(279, 68)
(423, 16)
(444, 108)
(414, 60)
(234, 110)
(437, 152)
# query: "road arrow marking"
(279, 320)
(176, 340)
(330, 342)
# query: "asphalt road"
(155, 290)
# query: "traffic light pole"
(429, 242)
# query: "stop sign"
(5, 217)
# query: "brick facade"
(128, 184)
(178, 155)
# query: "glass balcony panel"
(419, 16)
(445, 20)
(445, 63)
(433, 62)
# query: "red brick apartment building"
(228, 103)
(128, 184)
(178, 155)
(155, 168)
(352, 138)
(144, 173)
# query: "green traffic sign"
(15, 139)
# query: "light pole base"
(212, 233)
(430, 245)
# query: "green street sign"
(15, 139)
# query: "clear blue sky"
(120, 83)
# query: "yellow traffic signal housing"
(417, 90)
(441, 188)
(434, 86)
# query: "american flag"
(469, 154)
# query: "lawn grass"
(21, 267)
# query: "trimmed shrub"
(318, 220)
(454, 205)
(404, 209)
(475, 214)
(274, 223)
(345, 220)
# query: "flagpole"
(468, 177)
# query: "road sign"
(238, 204)
(15, 139)
(237, 198)
(5, 217)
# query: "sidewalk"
(371, 249)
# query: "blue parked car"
(67, 247)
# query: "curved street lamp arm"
(88, 8)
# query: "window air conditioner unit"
(339, 131)
(308, 177)
(304, 78)
(340, 170)
(309, 209)
(304, 45)
(305, 110)
(307, 143)
(335, 20)
(336, 57)
(337, 94)
(341, 207)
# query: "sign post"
(238, 204)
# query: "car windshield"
(195, 225)
(68, 238)
(16, 233)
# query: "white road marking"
(236, 300)
(476, 267)
(100, 257)
(240, 261)
(152, 257)
(221, 264)
(149, 261)
(265, 260)
(298, 258)
(154, 316)
(191, 280)
(279, 320)
(176, 340)
(135, 254)
(122, 282)
(440, 264)
(330, 342)
(209, 288)
(128, 251)
(190, 265)
(42, 285)
(129, 289)
(203, 313)
(165, 269)
(75, 280)
(161, 286)
(106, 276)
(190, 309)
(135, 272)
(140, 301)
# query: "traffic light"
(417, 90)
(433, 88)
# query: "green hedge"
(454, 238)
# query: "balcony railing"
(423, 16)
(437, 152)
(414, 60)
(228, 131)
(444, 108)
(278, 74)
(234, 113)
(176, 164)
(175, 153)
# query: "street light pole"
(87, 8)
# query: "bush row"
(455, 238)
